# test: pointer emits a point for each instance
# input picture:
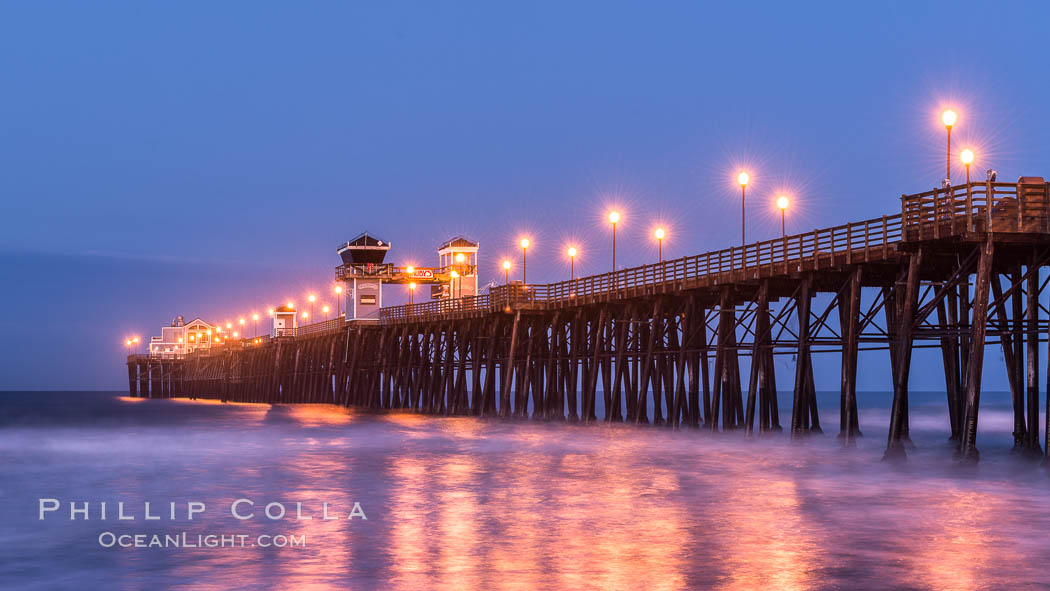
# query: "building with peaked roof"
(181, 338)
(365, 249)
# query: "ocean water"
(462, 503)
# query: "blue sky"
(206, 158)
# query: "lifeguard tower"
(459, 257)
(283, 322)
(364, 271)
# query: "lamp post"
(311, 299)
(241, 322)
(743, 178)
(572, 263)
(659, 244)
(452, 286)
(524, 247)
(255, 325)
(338, 303)
(948, 117)
(782, 203)
(325, 310)
(614, 217)
(127, 344)
(506, 272)
(967, 159)
(411, 291)
(135, 341)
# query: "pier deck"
(956, 269)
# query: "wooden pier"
(956, 268)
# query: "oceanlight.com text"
(108, 539)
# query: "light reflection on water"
(460, 503)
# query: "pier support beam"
(804, 415)
(507, 368)
(133, 377)
(905, 318)
(849, 316)
(1032, 353)
(975, 364)
(758, 361)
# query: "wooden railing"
(496, 299)
(315, 328)
(863, 238)
(953, 211)
(775, 256)
(977, 207)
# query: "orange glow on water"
(320, 414)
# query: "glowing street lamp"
(524, 247)
(452, 287)
(325, 310)
(255, 325)
(127, 344)
(948, 117)
(310, 298)
(572, 263)
(411, 291)
(338, 300)
(782, 203)
(967, 159)
(241, 322)
(506, 272)
(743, 178)
(659, 233)
(305, 314)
